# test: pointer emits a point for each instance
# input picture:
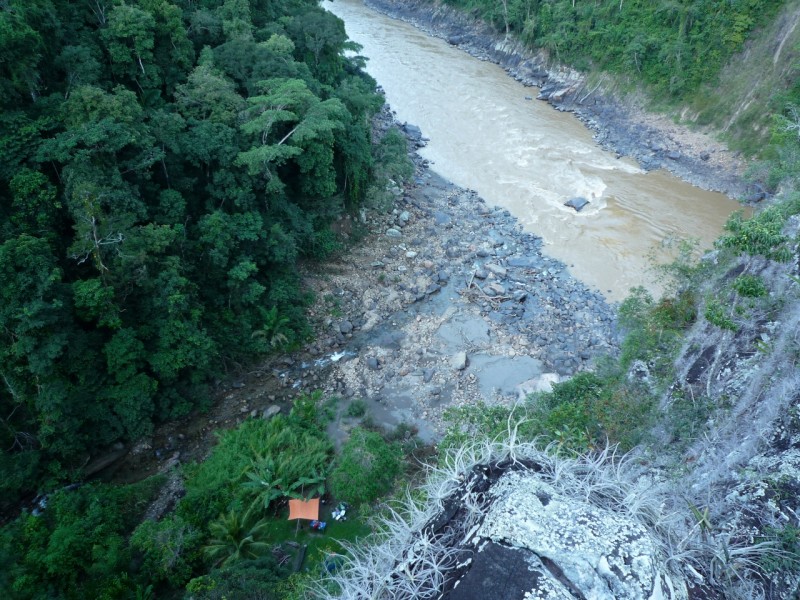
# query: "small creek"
(488, 135)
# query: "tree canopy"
(163, 166)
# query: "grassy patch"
(280, 530)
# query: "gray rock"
(496, 289)
(441, 218)
(459, 361)
(525, 262)
(601, 554)
(481, 274)
(392, 232)
(427, 375)
(432, 289)
(496, 270)
(414, 132)
(578, 203)
(270, 411)
(345, 327)
(443, 276)
(404, 217)
(372, 363)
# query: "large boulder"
(574, 549)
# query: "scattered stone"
(271, 411)
(345, 327)
(432, 289)
(372, 363)
(496, 270)
(496, 289)
(392, 232)
(459, 361)
(411, 254)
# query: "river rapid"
(487, 133)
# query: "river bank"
(443, 302)
(619, 123)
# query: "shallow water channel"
(488, 135)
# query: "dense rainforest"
(163, 167)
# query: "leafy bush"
(760, 235)
(170, 549)
(257, 579)
(289, 448)
(750, 286)
(653, 329)
(357, 408)
(366, 467)
(716, 315)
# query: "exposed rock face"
(576, 546)
(526, 524)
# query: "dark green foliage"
(257, 579)
(581, 414)
(717, 314)
(236, 536)
(357, 408)
(169, 549)
(366, 467)
(163, 165)
(672, 46)
(77, 547)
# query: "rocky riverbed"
(449, 302)
(444, 302)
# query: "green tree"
(236, 537)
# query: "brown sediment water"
(488, 134)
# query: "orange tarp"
(304, 509)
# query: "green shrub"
(760, 235)
(357, 409)
(289, 448)
(170, 549)
(366, 467)
(750, 286)
(259, 578)
(588, 411)
(653, 330)
(716, 315)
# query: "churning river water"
(528, 158)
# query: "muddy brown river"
(525, 156)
